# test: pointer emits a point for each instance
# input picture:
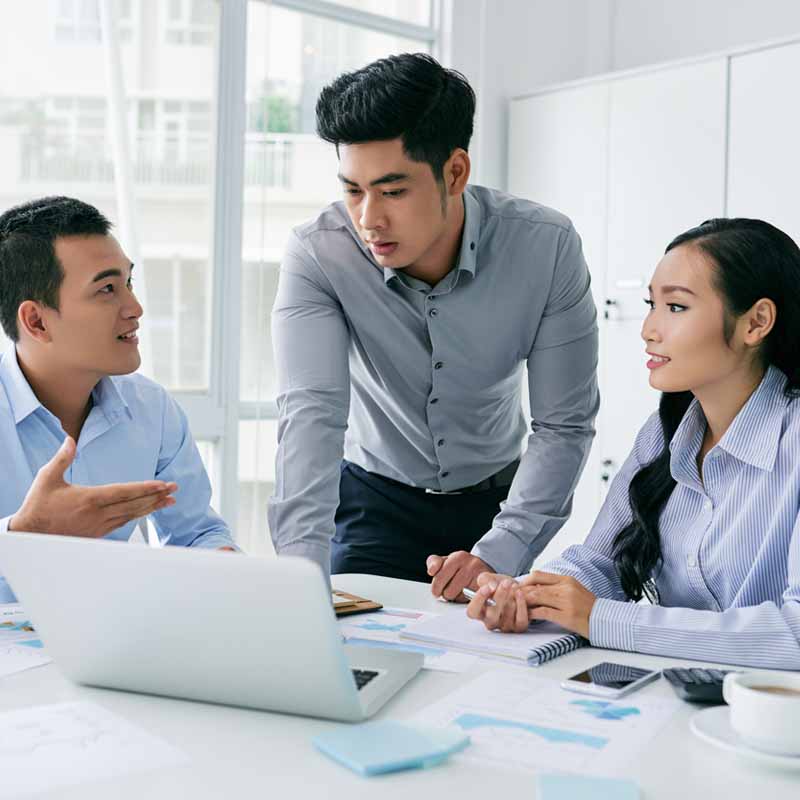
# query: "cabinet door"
(558, 149)
(666, 174)
(764, 160)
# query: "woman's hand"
(559, 599)
(509, 613)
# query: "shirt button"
(440, 442)
(433, 312)
(434, 400)
(691, 561)
(445, 474)
(707, 505)
(438, 365)
(472, 245)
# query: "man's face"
(94, 327)
(396, 205)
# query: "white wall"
(510, 47)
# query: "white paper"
(383, 629)
(517, 720)
(20, 648)
(46, 747)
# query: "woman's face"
(684, 330)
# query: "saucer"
(713, 726)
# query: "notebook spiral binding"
(551, 650)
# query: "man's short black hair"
(29, 268)
(410, 96)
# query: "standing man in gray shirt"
(404, 317)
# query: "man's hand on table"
(453, 573)
(54, 506)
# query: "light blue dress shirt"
(423, 384)
(134, 432)
(729, 584)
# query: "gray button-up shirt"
(423, 385)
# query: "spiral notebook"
(540, 643)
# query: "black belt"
(499, 480)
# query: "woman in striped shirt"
(703, 518)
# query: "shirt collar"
(469, 240)
(24, 402)
(754, 435)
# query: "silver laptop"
(218, 627)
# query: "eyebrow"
(110, 273)
(670, 289)
(389, 177)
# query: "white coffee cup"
(765, 710)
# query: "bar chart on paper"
(20, 649)
(517, 720)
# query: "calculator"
(697, 685)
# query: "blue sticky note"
(578, 787)
(377, 747)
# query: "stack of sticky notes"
(378, 747)
(578, 787)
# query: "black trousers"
(386, 528)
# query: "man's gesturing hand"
(454, 572)
(54, 506)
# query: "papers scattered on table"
(46, 747)
(20, 649)
(518, 720)
(383, 629)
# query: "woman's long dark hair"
(753, 260)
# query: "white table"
(237, 753)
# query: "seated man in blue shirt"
(87, 446)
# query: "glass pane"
(417, 11)
(290, 175)
(56, 139)
(257, 448)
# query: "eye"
(394, 193)
(352, 192)
(649, 303)
(107, 289)
(129, 284)
(675, 308)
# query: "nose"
(133, 308)
(371, 214)
(649, 332)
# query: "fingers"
(550, 596)
(114, 495)
(521, 620)
(55, 468)
(546, 578)
(434, 564)
(478, 605)
(497, 616)
(122, 513)
(445, 573)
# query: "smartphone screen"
(612, 676)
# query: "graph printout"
(517, 720)
(383, 629)
(46, 747)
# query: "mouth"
(657, 361)
(130, 337)
(382, 248)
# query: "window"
(55, 126)
(78, 21)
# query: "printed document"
(520, 721)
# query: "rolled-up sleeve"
(310, 340)
(562, 375)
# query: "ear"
(758, 321)
(31, 321)
(456, 172)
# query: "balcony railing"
(269, 162)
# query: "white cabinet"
(764, 161)
(666, 175)
(633, 161)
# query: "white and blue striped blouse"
(729, 584)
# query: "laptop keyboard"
(363, 677)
